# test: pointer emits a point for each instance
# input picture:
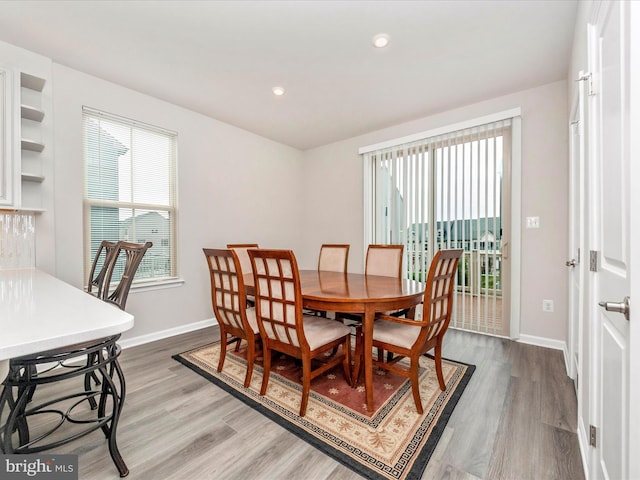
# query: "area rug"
(392, 442)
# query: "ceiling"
(222, 58)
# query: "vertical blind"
(130, 190)
(447, 191)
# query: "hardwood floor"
(515, 421)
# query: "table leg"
(367, 340)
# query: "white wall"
(333, 211)
(238, 187)
(233, 186)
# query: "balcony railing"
(479, 271)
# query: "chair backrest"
(242, 250)
(228, 295)
(132, 253)
(384, 260)
(105, 257)
(278, 297)
(333, 258)
(439, 290)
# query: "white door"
(609, 237)
(579, 327)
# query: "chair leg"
(346, 362)
(266, 369)
(415, 384)
(306, 385)
(223, 351)
(251, 358)
(438, 362)
(355, 376)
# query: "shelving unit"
(32, 177)
(31, 145)
(31, 167)
(31, 113)
(31, 82)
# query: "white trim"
(494, 117)
(367, 207)
(144, 286)
(544, 342)
(516, 221)
(171, 332)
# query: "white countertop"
(39, 312)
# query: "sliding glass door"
(452, 191)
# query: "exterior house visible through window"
(130, 190)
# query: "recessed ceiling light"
(381, 40)
(278, 91)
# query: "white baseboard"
(548, 343)
(152, 337)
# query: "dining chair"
(285, 329)
(384, 260)
(333, 257)
(242, 251)
(104, 257)
(407, 337)
(381, 260)
(229, 303)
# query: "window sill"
(157, 285)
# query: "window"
(449, 189)
(130, 190)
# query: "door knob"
(571, 263)
(621, 307)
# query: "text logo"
(50, 467)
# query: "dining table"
(355, 293)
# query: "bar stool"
(20, 396)
(86, 410)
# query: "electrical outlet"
(533, 222)
(547, 305)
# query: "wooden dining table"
(355, 293)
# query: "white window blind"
(449, 191)
(130, 190)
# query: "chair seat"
(320, 331)
(395, 333)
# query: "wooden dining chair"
(411, 338)
(242, 251)
(384, 260)
(333, 257)
(283, 326)
(381, 260)
(230, 306)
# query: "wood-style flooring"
(515, 421)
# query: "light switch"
(533, 222)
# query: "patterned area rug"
(392, 442)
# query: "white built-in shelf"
(31, 113)
(31, 82)
(32, 177)
(31, 145)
